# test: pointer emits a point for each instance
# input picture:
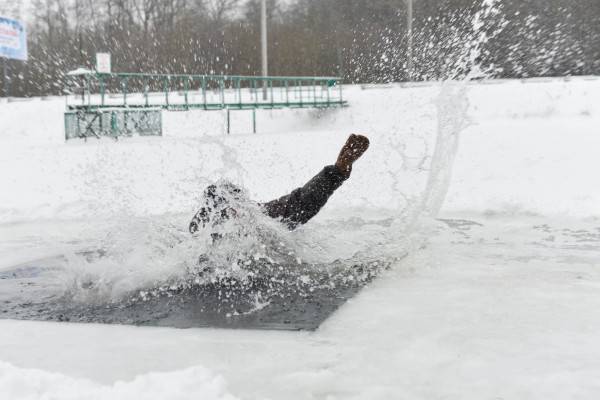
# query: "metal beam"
(264, 47)
(409, 24)
(6, 77)
(283, 91)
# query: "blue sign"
(13, 39)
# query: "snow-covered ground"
(498, 299)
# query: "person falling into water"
(294, 209)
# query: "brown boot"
(355, 147)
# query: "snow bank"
(192, 383)
(531, 149)
(536, 166)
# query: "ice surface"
(500, 302)
(502, 308)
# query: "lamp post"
(263, 39)
(409, 24)
(6, 77)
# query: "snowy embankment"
(532, 150)
(503, 307)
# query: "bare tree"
(362, 40)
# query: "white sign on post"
(103, 63)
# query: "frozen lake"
(497, 297)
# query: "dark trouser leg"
(304, 203)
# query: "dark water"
(269, 296)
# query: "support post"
(186, 87)
(264, 47)
(287, 93)
(6, 78)
(254, 120)
(113, 123)
(204, 91)
(124, 86)
(88, 89)
(146, 102)
(166, 89)
(222, 88)
(409, 23)
(102, 90)
(228, 122)
(239, 92)
(83, 89)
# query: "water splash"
(147, 257)
(452, 105)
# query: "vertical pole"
(409, 24)
(124, 85)
(263, 40)
(239, 91)
(204, 91)
(102, 90)
(222, 87)
(78, 123)
(166, 89)
(287, 93)
(254, 120)
(228, 122)
(89, 89)
(186, 86)
(113, 122)
(66, 128)
(146, 91)
(6, 79)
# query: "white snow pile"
(190, 384)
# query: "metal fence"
(118, 104)
(208, 92)
(112, 123)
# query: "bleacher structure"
(119, 104)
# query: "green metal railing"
(207, 92)
(113, 123)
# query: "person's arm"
(305, 202)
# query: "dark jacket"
(302, 204)
(294, 209)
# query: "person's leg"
(305, 202)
